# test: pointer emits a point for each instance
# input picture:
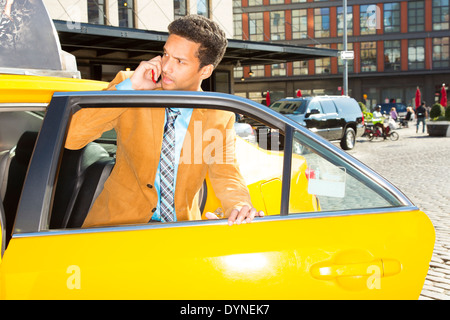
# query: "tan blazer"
(128, 195)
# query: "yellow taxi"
(335, 229)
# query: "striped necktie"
(167, 167)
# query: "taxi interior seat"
(96, 176)
(77, 166)
(16, 172)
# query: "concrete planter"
(438, 128)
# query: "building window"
(323, 65)
(341, 62)
(255, 3)
(299, 24)
(300, 68)
(278, 69)
(237, 23)
(277, 29)
(368, 19)
(96, 11)
(416, 54)
(392, 55)
(321, 22)
(276, 1)
(179, 8)
(255, 27)
(294, 1)
(340, 21)
(392, 17)
(126, 16)
(368, 56)
(440, 15)
(238, 72)
(441, 52)
(257, 71)
(416, 16)
(203, 8)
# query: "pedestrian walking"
(421, 114)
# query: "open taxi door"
(2, 230)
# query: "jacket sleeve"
(88, 124)
(226, 178)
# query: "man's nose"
(166, 66)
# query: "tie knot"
(172, 114)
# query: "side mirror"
(313, 111)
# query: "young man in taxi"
(144, 185)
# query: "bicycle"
(376, 132)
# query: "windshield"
(290, 107)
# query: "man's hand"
(146, 74)
(238, 216)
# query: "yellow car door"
(364, 240)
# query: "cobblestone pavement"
(419, 166)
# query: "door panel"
(272, 258)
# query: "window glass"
(416, 16)
(392, 55)
(299, 24)
(440, 14)
(96, 11)
(392, 17)
(180, 8)
(416, 54)
(203, 8)
(441, 52)
(369, 19)
(277, 29)
(328, 106)
(340, 21)
(323, 65)
(322, 22)
(368, 56)
(126, 14)
(319, 175)
(255, 26)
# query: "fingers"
(146, 74)
(244, 215)
(211, 216)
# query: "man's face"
(180, 65)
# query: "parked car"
(336, 229)
(387, 107)
(332, 117)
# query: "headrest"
(25, 147)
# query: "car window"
(14, 123)
(335, 184)
(328, 106)
(345, 105)
(314, 105)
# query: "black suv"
(332, 117)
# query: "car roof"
(39, 89)
(314, 97)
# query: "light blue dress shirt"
(181, 125)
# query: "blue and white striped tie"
(167, 168)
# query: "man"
(421, 114)
(137, 191)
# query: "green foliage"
(437, 111)
(362, 106)
(368, 115)
(447, 113)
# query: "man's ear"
(206, 71)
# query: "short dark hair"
(212, 39)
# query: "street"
(419, 165)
